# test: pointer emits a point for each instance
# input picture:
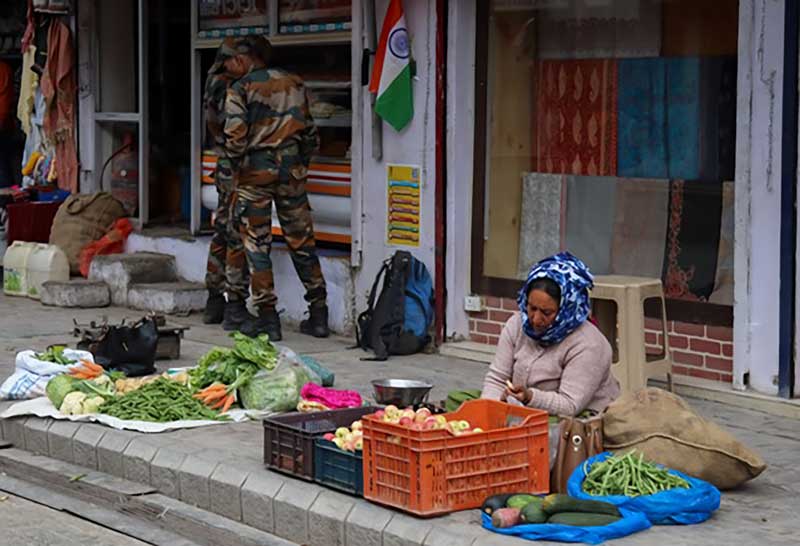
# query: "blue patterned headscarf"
(575, 280)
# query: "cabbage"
(277, 390)
(59, 387)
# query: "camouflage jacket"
(269, 133)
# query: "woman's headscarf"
(575, 280)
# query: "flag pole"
(372, 44)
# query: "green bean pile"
(630, 476)
(161, 401)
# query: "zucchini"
(583, 519)
(495, 502)
(554, 504)
(533, 513)
(522, 500)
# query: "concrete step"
(134, 500)
(120, 271)
(76, 293)
(469, 350)
(171, 298)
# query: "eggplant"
(495, 502)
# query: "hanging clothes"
(27, 89)
(34, 141)
(59, 87)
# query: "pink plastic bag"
(332, 398)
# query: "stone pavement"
(220, 468)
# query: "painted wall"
(460, 143)
(415, 145)
(758, 194)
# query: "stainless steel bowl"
(400, 392)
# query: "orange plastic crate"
(433, 472)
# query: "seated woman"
(549, 356)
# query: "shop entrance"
(141, 119)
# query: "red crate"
(433, 472)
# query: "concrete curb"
(295, 510)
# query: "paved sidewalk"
(220, 468)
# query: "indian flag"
(391, 75)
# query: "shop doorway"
(141, 117)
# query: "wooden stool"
(618, 305)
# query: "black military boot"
(236, 314)
(215, 309)
(317, 323)
(267, 322)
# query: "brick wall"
(697, 350)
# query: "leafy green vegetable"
(55, 354)
(59, 387)
(236, 366)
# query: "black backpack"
(399, 321)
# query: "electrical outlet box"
(473, 304)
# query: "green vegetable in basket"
(237, 365)
(55, 354)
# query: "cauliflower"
(102, 379)
(73, 403)
(92, 405)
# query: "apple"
(463, 425)
(339, 443)
(329, 436)
(478, 429)
(405, 421)
(358, 434)
(380, 414)
(441, 420)
(356, 426)
(359, 445)
(349, 446)
(408, 413)
(430, 424)
(391, 409)
(341, 432)
(422, 414)
(415, 426)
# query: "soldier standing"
(225, 274)
(269, 139)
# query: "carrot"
(92, 366)
(218, 404)
(228, 403)
(213, 396)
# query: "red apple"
(405, 421)
(329, 436)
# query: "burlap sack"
(663, 427)
(82, 219)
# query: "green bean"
(630, 475)
(161, 401)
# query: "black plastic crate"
(289, 438)
(339, 469)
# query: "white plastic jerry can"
(15, 262)
(45, 263)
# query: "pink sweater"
(565, 378)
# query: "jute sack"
(82, 219)
(666, 430)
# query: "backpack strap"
(370, 302)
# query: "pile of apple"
(348, 439)
(423, 419)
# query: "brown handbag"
(578, 439)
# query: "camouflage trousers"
(252, 218)
(222, 276)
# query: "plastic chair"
(618, 305)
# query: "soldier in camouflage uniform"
(269, 139)
(225, 272)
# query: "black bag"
(398, 322)
(129, 349)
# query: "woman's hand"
(522, 394)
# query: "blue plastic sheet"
(673, 507)
(631, 522)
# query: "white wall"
(758, 193)
(415, 145)
(460, 144)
